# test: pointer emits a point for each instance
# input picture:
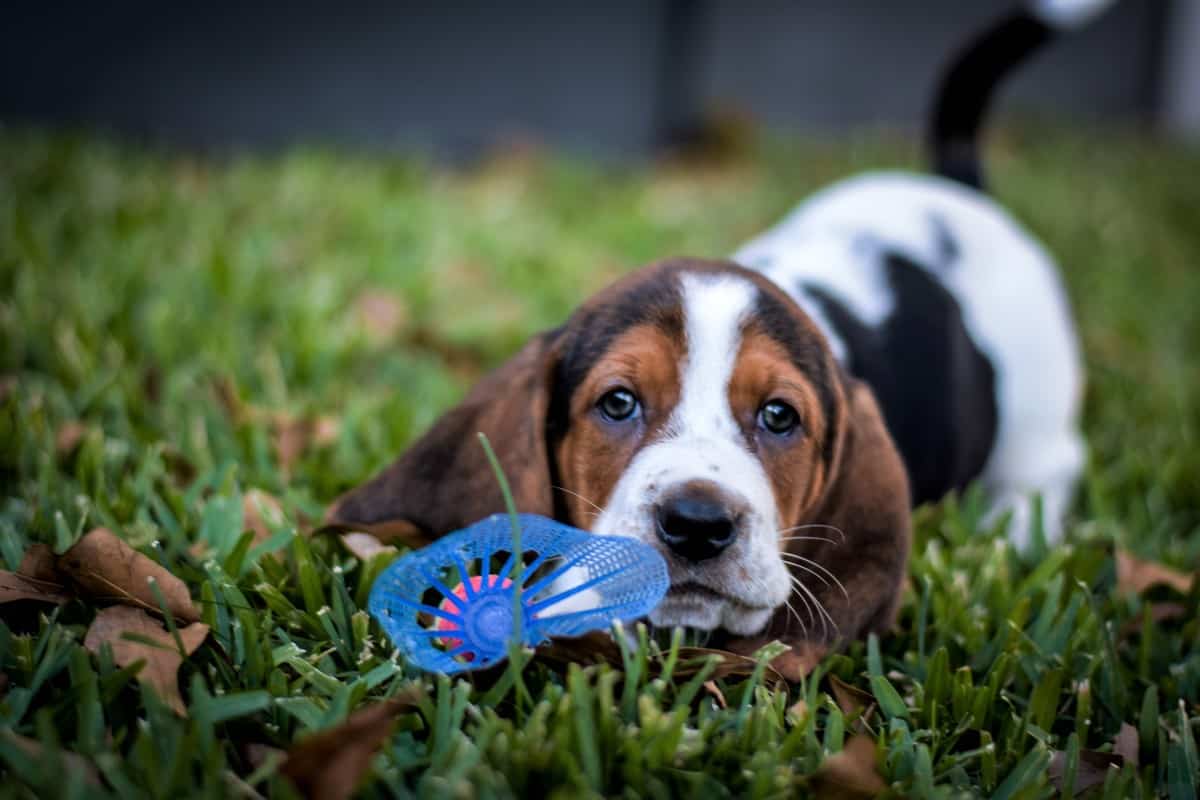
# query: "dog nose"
(696, 524)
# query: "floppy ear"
(867, 501)
(443, 482)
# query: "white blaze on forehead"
(702, 441)
(714, 309)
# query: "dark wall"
(456, 77)
(833, 65)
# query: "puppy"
(767, 422)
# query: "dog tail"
(968, 85)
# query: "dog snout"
(698, 521)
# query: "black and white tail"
(968, 85)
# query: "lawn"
(178, 334)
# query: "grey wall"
(456, 77)
(835, 65)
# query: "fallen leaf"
(68, 437)
(380, 314)
(793, 665)
(364, 546)
(1135, 575)
(1092, 771)
(39, 562)
(797, 712)
(799, 662)
(852, 772)
(72, 762)
(326, 430)
(8, 385)
(14, 586)
(262, 513)
(294, 436)
(397, 531)
(106, 568)
(1126, 744)
(729, 665)
(717, 695)
(113, 625)
(854, 702)
(328, 765)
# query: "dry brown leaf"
(793, 665)
(326, 430)
(854, 702)
(797, 712)
(729, 665)
(851, 773)
(262, 513)
(36, 751)
(113, 625)
(294, 436)
(364, 546)
(328, 765)
(381, 315)
(1092, 770)
(717, 695)
(1135, 575)
(1126, 744)
(68, 437)
(39, 562)
(14, 586)
(107, 569)
(798, 663)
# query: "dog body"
(934, 296)
(766, 422)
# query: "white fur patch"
(1013, 304)
(702, 441)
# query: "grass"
(163, 320)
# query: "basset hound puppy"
(768, 421)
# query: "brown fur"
(590, 458)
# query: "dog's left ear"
(444, 482)
(867, 500)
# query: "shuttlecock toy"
(453, 605)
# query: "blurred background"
(615, 79)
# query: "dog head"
(691, 405)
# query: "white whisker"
(565, 490)
(833, 528)
(826, 619)
(801, 562)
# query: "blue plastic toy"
(450, 606)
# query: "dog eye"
(618, 405)
(778, 417)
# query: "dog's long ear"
(866, 506)
(443, 482)
(868, 500)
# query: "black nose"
(696, 525)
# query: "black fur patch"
(934, 386)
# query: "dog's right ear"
(444, 482)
